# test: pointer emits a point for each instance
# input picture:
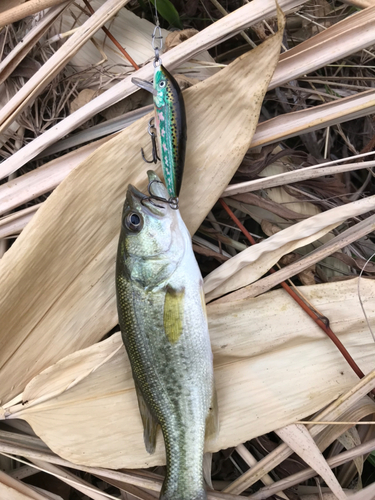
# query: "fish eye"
(162, 84)
(133, 221)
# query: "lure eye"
(162, 84)
(133, 221)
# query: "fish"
(163, 322)
(170, 121)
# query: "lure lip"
(135, 193)
(144, 84)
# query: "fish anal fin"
(207, 466)
(203, 300)
(173, 313)
(150, 424)
(212, 419)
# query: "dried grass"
(275, 369)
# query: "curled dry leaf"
(247, 339)
(298, 438)
(59, 274)
(252, 263)
(176, 37)
(268, 228)
(354, 233)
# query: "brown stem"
(113, 39)
(313, 315)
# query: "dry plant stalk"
(333, 412)
(293, 124)
(346, 37)
(342, 240)
(9, 63)
(26, 9)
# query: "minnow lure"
(170, 121)
(163, 322)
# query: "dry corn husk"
(261, 385)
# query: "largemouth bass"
(170, 118)
(164, 328)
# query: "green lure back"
(171, 126)
(170, 118)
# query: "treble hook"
(150, 130)
(172, 202)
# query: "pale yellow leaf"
(297, 437)
(248, 337)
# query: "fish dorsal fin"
(212, 419)
(150, 424)
(173, 313)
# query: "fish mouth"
(144, 84)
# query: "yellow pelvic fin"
(173, 313)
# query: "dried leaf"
(249, 265)
(12, 489)
(341, 240)
(85, 96)
(9, 63)
(339, 408)
(297, 437)
(244, 344)
(307, 120)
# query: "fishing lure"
(170, 121)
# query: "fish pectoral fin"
(150, 424)
(212, 419)
(173, 313)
